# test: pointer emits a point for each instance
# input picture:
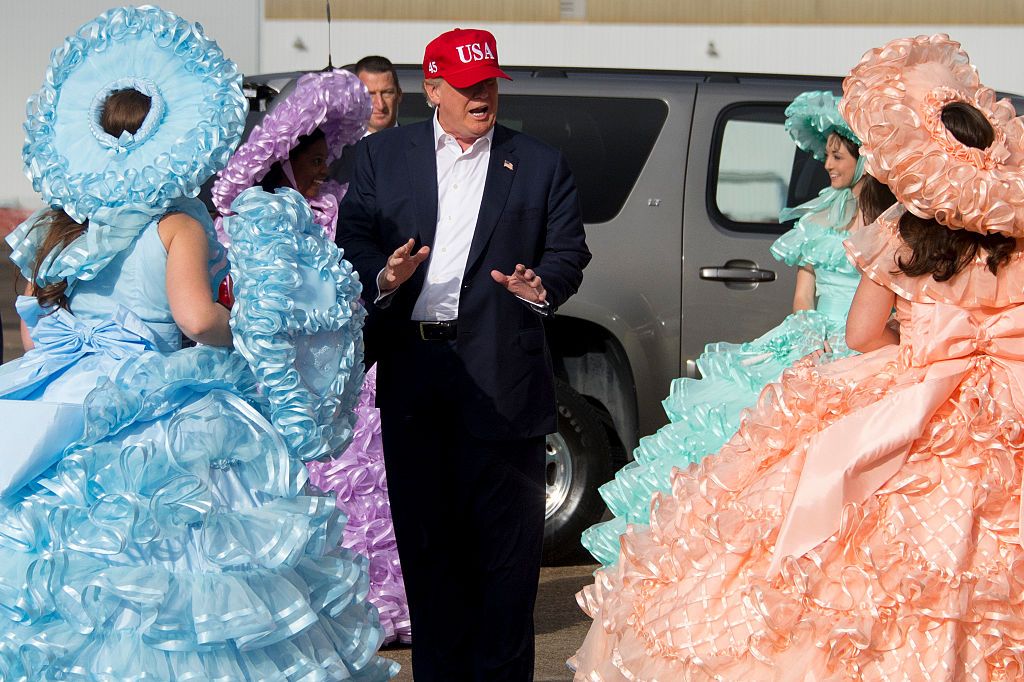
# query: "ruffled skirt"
(922, 581)
(358, 480)
(704, 413)
(174, 543)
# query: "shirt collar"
(369, 132)
(440, 136)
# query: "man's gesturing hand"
(401, 264)
(524, 283)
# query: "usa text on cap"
(463, 57)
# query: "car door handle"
(734, 271)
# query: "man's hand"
(524, 283)
(401, 264)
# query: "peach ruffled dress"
(863, 524)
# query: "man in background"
(379, 77)
(381, 81)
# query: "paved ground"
(561, 626)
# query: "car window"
(605, 140)
(757, 170)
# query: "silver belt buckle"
(440, 329)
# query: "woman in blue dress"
(704, 413)
(153, 523)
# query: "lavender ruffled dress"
(357, 478)
(335, 102)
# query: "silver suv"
(681, 177)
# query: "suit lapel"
(423, 176)
(422, 161)
(501, 170)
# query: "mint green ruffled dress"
(704, 413)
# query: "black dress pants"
(469, 521)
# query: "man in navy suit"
(466, 234)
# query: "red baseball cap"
(463, 57)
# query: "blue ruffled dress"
(704, 413)
(155, 526)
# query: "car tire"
(578, 461)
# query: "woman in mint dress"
(704, 413)
(153, 524)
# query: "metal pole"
(330, 64)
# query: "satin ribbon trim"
(837, 471)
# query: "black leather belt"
(446, 330)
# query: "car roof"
(277, 81)
(585, 73)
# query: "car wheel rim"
(557, 472)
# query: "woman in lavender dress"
(294, 145)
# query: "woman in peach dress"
(865, 521)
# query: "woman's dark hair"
(968, 125)
(937, 250)
(275, 176)
(850, 145)
(123, 110)
(874, 198)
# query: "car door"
(743, 169)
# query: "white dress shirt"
(461, 176)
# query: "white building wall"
(824, 50)
(30, 30)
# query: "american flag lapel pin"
(508, 165)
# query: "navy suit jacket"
(529, 214)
